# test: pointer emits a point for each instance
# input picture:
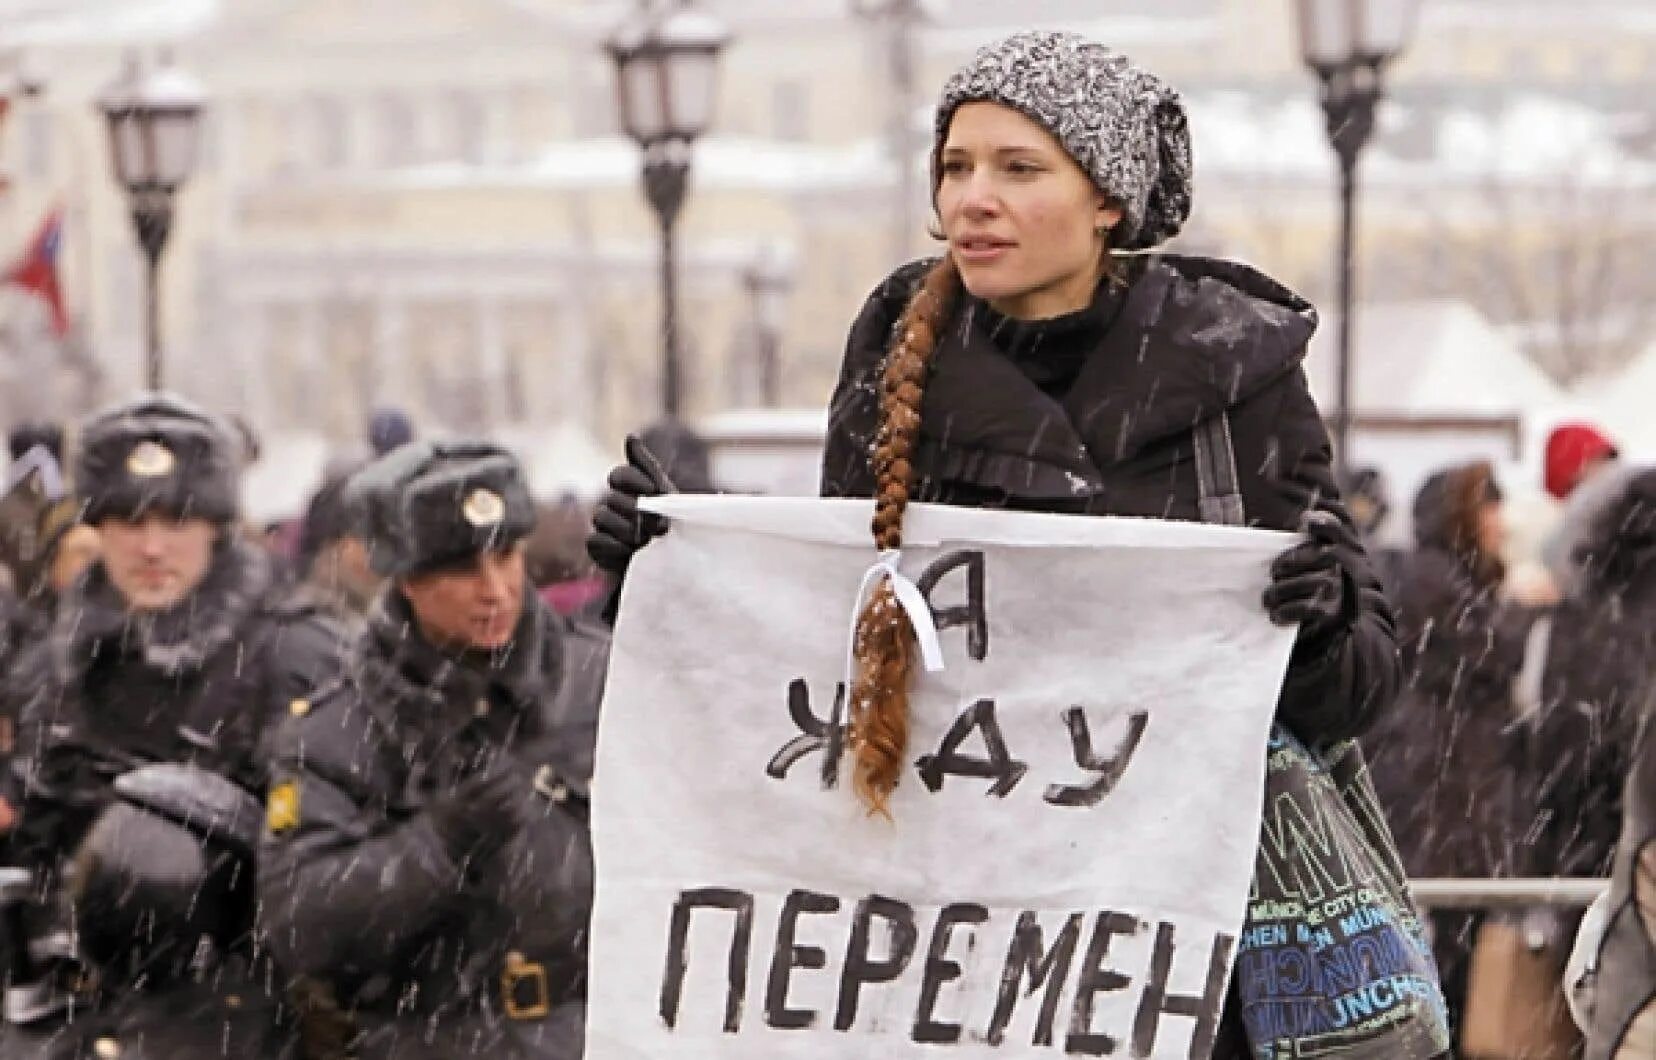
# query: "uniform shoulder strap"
(1219, 490)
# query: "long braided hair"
(884, 645)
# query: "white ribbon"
(910, 599)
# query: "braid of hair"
(884, 644)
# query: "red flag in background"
(37, 270)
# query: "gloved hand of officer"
(619, 529)
(1311, 585)
(481, 814)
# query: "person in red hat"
(1574, 452)
(1582, 468)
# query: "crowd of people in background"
(1525, 709)
(1519, 749)
(321, 789)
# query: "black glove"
(1310, 585)
(482, 812)
(619, 529)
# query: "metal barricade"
(1565, 892)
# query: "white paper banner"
(1071, 847)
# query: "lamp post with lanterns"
(1347, 44)
(666, 65)
(154, 121)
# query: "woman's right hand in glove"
(619, 529)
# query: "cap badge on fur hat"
(483, 508)
(151, 459)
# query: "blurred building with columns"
(427, 202)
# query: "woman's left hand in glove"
(1310, 585)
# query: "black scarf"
(1051, 352)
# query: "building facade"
(426, 202)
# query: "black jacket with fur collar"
(1193, 338)
(105, 691)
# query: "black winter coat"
(360, 891)
(1104, 426)
(232, 1012)
(1600, 682)
(1191, 338)
(22, 622)
(1447, 763)
(200, 685)
(1598, 686)
(203, 684)
(1616, 709)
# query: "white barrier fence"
(1507, 894)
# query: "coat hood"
(1434, 520)
(1210, 334)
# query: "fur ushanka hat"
(428, 504)
(160, 453)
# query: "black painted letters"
(789, 956)
(860, 968)
(678, 935)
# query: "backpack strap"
(1219, 490)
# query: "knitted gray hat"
(1122, 124)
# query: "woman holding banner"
(1048, 362)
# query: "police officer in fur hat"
(177, 646)
(426, 856)
(173, 646)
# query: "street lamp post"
(898, 20)
(666, 62)
(768, 280)
(154, 121)
(1347, 45)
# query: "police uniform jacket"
(200, 684)
(433, 955)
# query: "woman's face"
(1021, 217)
